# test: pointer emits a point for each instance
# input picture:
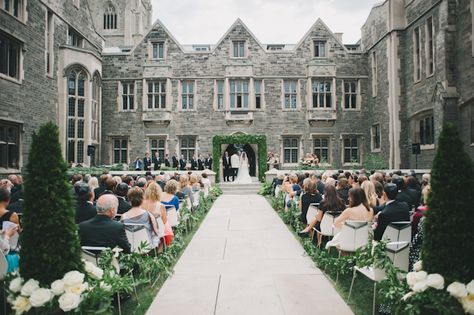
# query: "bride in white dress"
(243, 176)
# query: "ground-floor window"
(187, 147)
(120, 151)
(158, 145)
(351, 150)
(290, 150)
(321, 148)
(9, 145)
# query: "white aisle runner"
(243, 260)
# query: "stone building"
(113, 80)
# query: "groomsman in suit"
(182, 163)
(235, 164)
(174, 160)
(147, 162)
(200, 163)
(167, 160)
(194, 163)
(226, 165)
(208, 162)
(156, 161)
(393, 211)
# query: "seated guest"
(142, 182)
(331, 203)
(102, 230)
(186, 188)
(379, 192)
(393, 211)
(206, 182)
(11, 256)
(160, 180)
(93, 183)
(310, 195)
(121, 192)
(369, 190)
(193, 182)
(6, 215)
(358, 209)
(138, 215)
(85, 208)
(16, 191)
(407, 194)
(168, 197)
(153, 205)
(99, 190)
(342, 189)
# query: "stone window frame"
(121, 95)
(153, 42)
(323, 40)
(6, 123)
(283, 94)
(330, 93)
(374, 68)
(246, 50)
(375, 133)
(110, 18)
(417, 53)
(298, 147)
(74, 38)
(49, 43)
(161, 149)
(96, 104)
(245, 82)
(189, 96)
(220, 97)
(22, 13)
(430, 48)
(359, 148)
(329, 147)
(160, 93)
(20, 49)
(415, 121)
(188, 149)
(261, 82)
(113, 148)
(358, 94)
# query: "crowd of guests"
(378, 198)
(196, 163)
(108, 205)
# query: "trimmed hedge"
(49, 241)
(260, 140)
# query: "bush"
(448, 248)
(49, 242)
(374, 162)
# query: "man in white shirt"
(235, 163)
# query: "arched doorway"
(239, 147)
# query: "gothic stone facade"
(127, 92)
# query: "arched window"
(76, 80)
(95, 112)
(110, 18)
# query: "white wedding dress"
(243, 176)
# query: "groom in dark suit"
(156, 161)
(393, 211)
(147, 162)
(227, 166)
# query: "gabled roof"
(239, 22)
(160, 24)
(319, 22)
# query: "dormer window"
(110, 19)
(319, 49)
(239, 49)
(275, 47)
(158, 50)
(201, 47)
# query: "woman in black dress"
(310, 195)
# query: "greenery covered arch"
(259, 140)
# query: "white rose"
(468, 303)
(21, 305)
(16, 285)
(69, 301)
(421, 275)
(457, 289)
(408, 295)
(72, 278)
(97, 273)
(105, 286)
(29, 287)
(418, 266)
(411, 279)
(435, 281)
(88, 266)
(77, 289)
(470, 287)
(420, 286)
(40, 297)
(57, 287)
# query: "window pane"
(80, 108)
(80, 85)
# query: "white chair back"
(188, 203)
(3, 266)
(327, 224)
(196, 196)
(398, 232)
(172, 216)
(161, 227)
(136, 234)
(354, 234)
(311, 214)
(398, 252)
(14, 241)
(277, 190)
(91, 257)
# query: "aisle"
(244, 260)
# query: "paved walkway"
(243, 260)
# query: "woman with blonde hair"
(193, 181)
(186, 187)
(152, 204)
(369, 190)
(93, 183)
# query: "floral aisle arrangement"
(77, 292)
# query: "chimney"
(338, 36)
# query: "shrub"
(49, 241)
(448, 248)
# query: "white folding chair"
(196, 196)
(326, 227)
(137, 234)
(277, 190)
(3, 273)
(14, 241)
(172, 216)
(354, 234)
(312, 210)
(398, 232)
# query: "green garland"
(260, 140)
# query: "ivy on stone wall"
(259, 140)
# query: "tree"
(49, 243)
(448, 232)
